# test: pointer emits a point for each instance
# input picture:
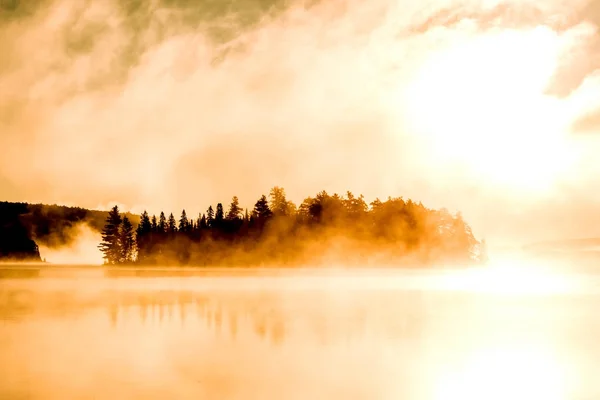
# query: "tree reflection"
(270, 316)
(113, 311)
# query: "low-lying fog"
(500, 332)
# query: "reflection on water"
(181, 338)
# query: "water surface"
(73, 333)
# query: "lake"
(74, 333)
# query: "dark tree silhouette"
(235, 210)
(110, 245)
(277, 233)
(126, 242)
(219, 216)
(162, 223)
(261, 209)
(210, 217)
(143, 238)
(15, 238)
(171, 224)
(183, 222)
(201, 222)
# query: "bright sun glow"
(513, 373)
(512, 277)
(481, 104)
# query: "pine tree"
(219, 215)
(261, 209)
(210, 217)
(162, 223)
(142, 237)
(183, 222)
(234, 210)
(126, 241)
(203, 222)
(110, 245)
(171, 224)
(154, 224)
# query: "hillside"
(24, 227)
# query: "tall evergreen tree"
(110, 245)
(154, 224)
(171, 224)
(261, 209)
(183, 222)
(162, 223)
(219, 215)
(235, 210)
(203, 222)
(142, 237)
(126, 242)
(210, 217)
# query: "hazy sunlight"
(481, 101)
(518, 373)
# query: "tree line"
(322, 229)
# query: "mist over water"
(490, 108)
(269, 334)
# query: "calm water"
(75, 334)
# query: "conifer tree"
(261, 209)
(234, 209)
(183, 222)
(110, 245)
(126, 241)
(154, 224)
(210, 217)
(171, 224)
(219, 215)
(162, 223)
(142, 237)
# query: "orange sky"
(489, 107)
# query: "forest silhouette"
(322, 230)
(25, 227)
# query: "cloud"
(583, 58)
(588, 124)
(507, 15)
(171, 104)
(174, 100)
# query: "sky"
(491, 108)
